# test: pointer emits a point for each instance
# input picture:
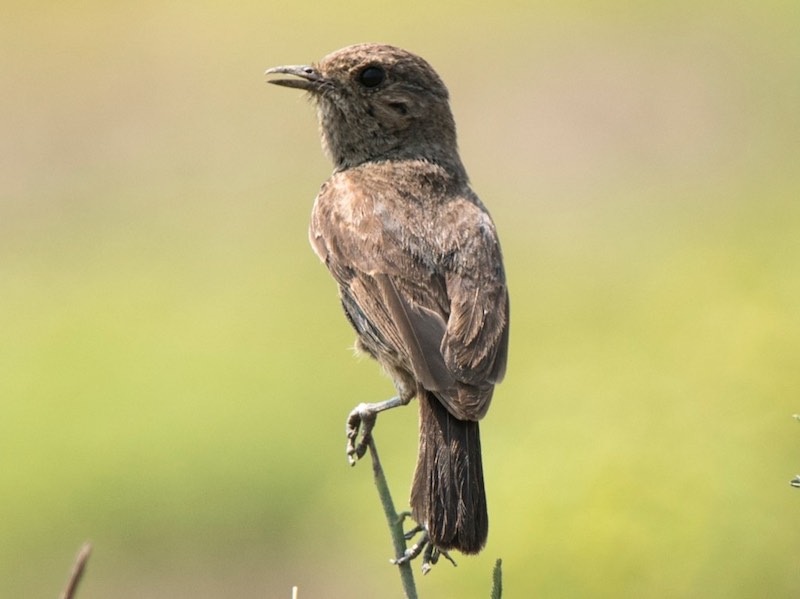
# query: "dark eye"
(371, 76)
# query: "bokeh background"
(175, 371)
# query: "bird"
(419, 269)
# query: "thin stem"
(77, 571)
(497, 580)
(395, 522)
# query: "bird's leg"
(414, 550)
(413, 532)
(363, 418)
(430, 552)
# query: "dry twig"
(77, 571)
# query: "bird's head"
(377, 102)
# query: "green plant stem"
(497, 580)
(394, 521)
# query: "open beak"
(307, 77)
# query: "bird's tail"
(447, 495)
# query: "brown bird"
(419, 269)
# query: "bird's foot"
(430, 553)
(362, 418)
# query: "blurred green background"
(175, 371)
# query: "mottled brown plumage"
(418, 264)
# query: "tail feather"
(447, 495)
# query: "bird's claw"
(430, 553)
(362, 419)
(411, 552)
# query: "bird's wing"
(475, 346)
(447, 321)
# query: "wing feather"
(427, 290)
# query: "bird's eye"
(371, 76)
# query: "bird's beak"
(307, 77)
